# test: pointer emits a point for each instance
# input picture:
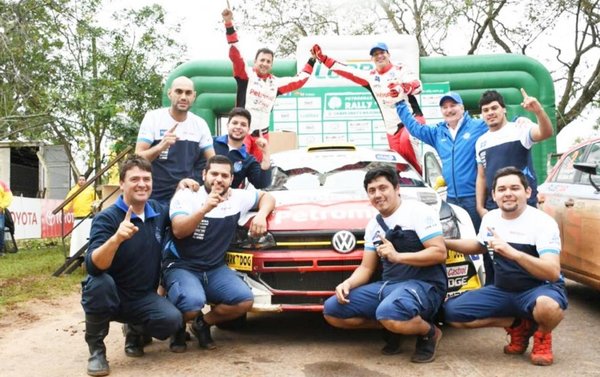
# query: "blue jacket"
(136, 265)
(459, 167)
(244, 165)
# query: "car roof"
(564, 154)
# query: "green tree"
(446, 27)
(91, 83)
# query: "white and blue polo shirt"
(184, 159)
(205, 248)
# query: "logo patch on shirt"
(237, 166)
(467, 136)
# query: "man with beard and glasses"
(194, 268)
(175, 140)
(244, 164)
(528, 297)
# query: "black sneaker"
(392, 343)
(178, 339)
(201, 331)
(426, 347)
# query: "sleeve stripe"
(143, 140)
(551, 251)
(178, 213)
(427, 238)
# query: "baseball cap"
(379, 46)
(453, 96)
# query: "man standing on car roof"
(203, 225)
(257, 88)
(379, 81)
(528, 297)
(406, 236)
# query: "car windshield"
(342, 177)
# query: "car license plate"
(239, 261)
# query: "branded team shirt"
(509, 146)
(377, 83)
(205, 248)
(534, 233)
(183, 159)
(136, 265)
(412, 224)
(257, 94)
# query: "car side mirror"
(591, 169)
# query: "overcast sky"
(203, 34)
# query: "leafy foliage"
(447, 27)
(72, 79)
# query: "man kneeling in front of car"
(203, 225)
(528, 295)
(406, 236)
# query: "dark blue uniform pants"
(156, 314)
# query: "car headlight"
(244, 240)
(450, 228)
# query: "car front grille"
(304, 281)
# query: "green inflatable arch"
(468, 75)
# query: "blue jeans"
(398, 301)
(1, 231)
(189, 290)
(493, 302)
(469, 204)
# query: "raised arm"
(543, 129)
(355, 75)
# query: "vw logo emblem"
(343, 241)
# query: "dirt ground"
(45, 338)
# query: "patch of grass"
(27, 275)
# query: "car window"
(594, 158)
(566, 172)
(347, 176)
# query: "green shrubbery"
(28, 274)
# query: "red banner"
(52, 224)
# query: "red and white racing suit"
(377, 82)
(257, 93)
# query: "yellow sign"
(239, 261)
